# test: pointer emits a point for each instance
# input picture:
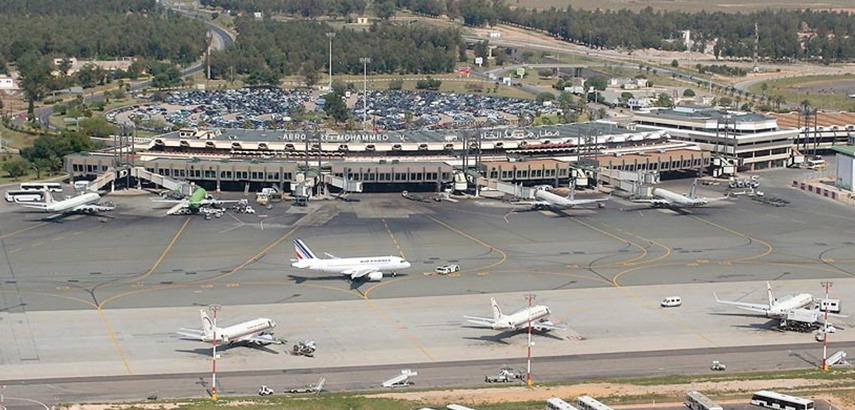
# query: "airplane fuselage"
(521, 319)
(240, 331)
(71, 203)
(555, 201)
(780, 308)
(342, 265)
(678, 200)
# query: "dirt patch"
(603, 391)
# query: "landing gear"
(394, 274)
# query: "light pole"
(528, 360)
(825, 328)
(214, 308)
(364, 61)
(331, 34)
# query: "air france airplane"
(536, 315)
(255, 332)
(368, 267)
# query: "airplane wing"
(546, 326)
(721, 198)
(359, 273)
(205, 202)
(481, 321)
(35, 205)
(652, 201)
(531, 203)
(92, 208)
(753, 307)
(591, 201)
(262, 339)
(169, 201)
(194, 334)
(331, 256)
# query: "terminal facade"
(684, 140)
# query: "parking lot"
(273, 108)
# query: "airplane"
(547, 200)
(83, 203)
(536, 315)
(368, 267)
(198, 201)
(663, 198)
(777, 307)
(253, 332)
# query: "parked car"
(671, 301)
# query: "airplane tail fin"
(572, 194)
(48, 198)
(497, 312)
(771, 296)
(303, 252)
(694, 186)
(207, 325)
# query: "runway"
(91, 297)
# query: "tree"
(384, 9)
(310, 73)
(396, 84)
(545, 96)
(339, 87)
(598, 82)
(763, 87)
(335, 107)
(725, 101)
(688, 92)
(16, 167)
(675, 63)
(664, 100)
(97, 127)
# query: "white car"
(446, 269)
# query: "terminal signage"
(363, 137)
(519, 133)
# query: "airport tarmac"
(102, 296)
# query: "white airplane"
(777, 307)
(250, 332)
(547, 200)
(536, 315)
(200, 200)
(83, 203)
(368, 267)
(663, 198)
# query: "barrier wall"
(819, 188)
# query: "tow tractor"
(304, 348)
(717, 366)
(505, 375)
(265, 391)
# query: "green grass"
(15, 139)
(785, 87)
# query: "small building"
(362, 21)
(845, 166)
(7, 83)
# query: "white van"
(833, 305)
(81, 184)
(671, 301)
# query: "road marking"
(115, 341)
(23, 230)
(769, 247)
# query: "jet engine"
(375, 276)
(537, 328)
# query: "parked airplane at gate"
(251, 332)
(368, 267)
(663, 198)
(547, 200)
(197, 201)
(84, 203)
(777, 307)
(536, 315)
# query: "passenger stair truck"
(400, 380)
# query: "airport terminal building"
(753, 141)
(238, 159)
